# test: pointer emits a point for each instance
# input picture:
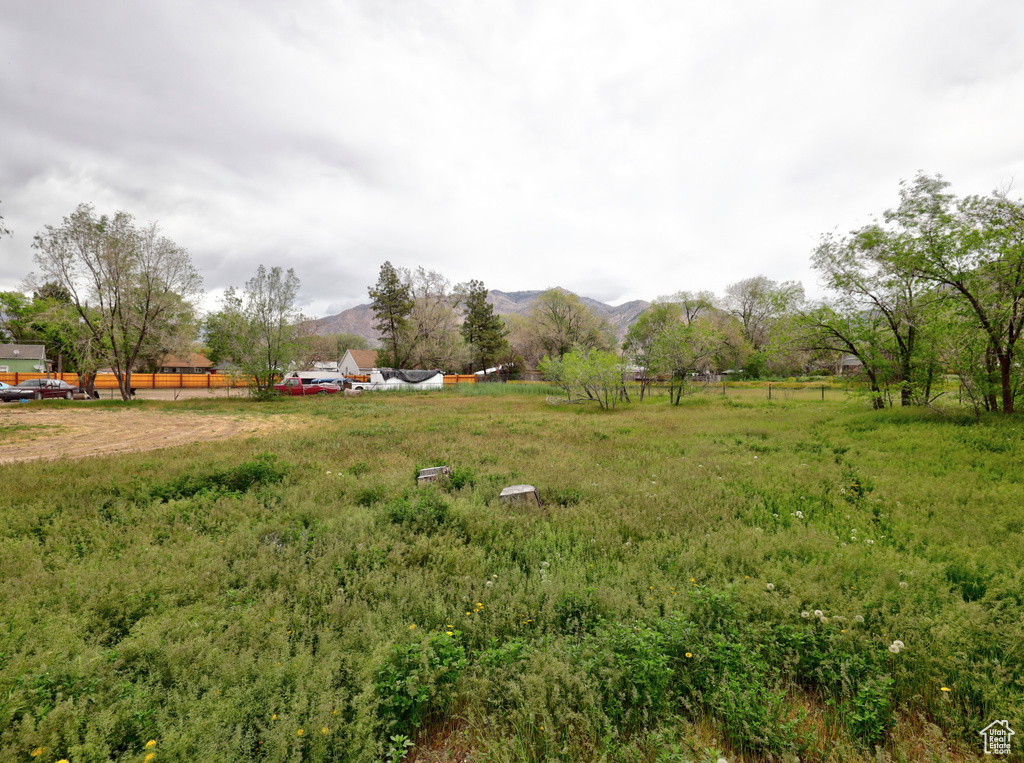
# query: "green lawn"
(296, 597)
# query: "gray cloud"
(619, 150)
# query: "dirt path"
(28, 433)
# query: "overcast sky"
(622, 150)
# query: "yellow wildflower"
(36, 752)
(298, 733)
(149, 757)
(689, 654)
(150, 744)
(323, 730)
(412, 626)
(946, 688)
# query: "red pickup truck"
(297, 386)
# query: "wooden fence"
(450, 379)
(140, 381)
(179, 381)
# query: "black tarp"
(411, 377)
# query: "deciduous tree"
(258, 331)
(972, 248)
(868, 275)
(596, 374)
(642, 339)
(560, 321)
(123, 280)
(433, 336)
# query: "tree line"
(113, 293)
(933, 287)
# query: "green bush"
(417, 680)
(371, 496)
(427, 512)
(258, 473)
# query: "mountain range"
(359, 320)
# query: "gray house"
(24, 358)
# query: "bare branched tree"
(124, 281)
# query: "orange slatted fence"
(141, 381)
(184, 381)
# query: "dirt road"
(31, 432)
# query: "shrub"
(427, 512)
(370, 496)
(260, 472)
(575, 613)
(417, 680)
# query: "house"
(358, 362)
(193, 364)
(850, 364)
(24, 358)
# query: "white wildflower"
(858, 618)
(899, 644)
(770, 586)
(818, 613)
(805, 615)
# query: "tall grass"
(660, 605)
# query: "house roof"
(364, 358)
(194, 360)
(23, 351)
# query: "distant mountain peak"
(359, 320)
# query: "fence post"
(723, 387)
(823, 393)
(769, 390)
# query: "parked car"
(37, 389)
(295, 385)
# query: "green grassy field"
(727, 578)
